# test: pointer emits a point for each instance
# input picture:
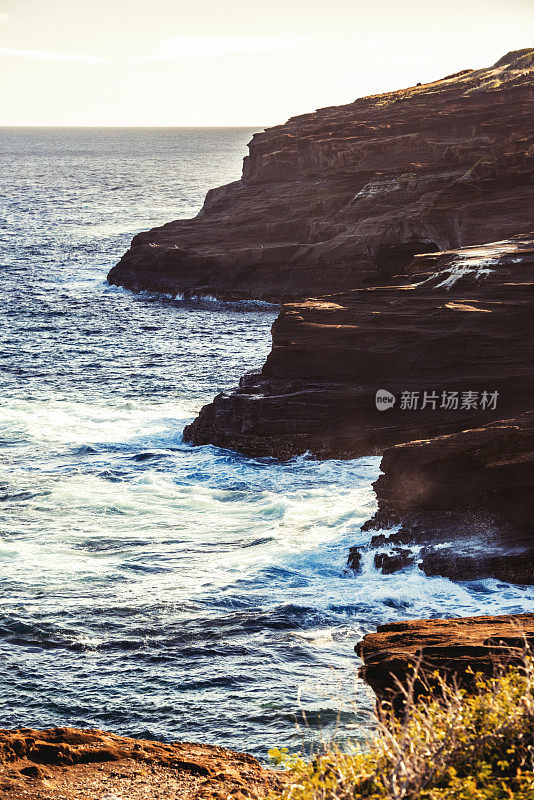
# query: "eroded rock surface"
(344, 197)
(456, 648)
(462, 324)
(71, 764)
(454, 347)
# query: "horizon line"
(32, 125)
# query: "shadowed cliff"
(411, 214)
(461, 323)
(346, 196)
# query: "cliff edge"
(456, 649)
(346, 196)
(451, 352)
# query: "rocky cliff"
(461, 505)
(412, 210)
(344, 197)
(455, 648)
(453, 346)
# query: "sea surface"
(149, 587)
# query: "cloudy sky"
(234, 62)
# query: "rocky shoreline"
(74, 764)
(457, 649)
(452, 345)
(399, 227)
(394, 205)
(460, 505)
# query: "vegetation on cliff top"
(450, 745)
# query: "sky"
(234, 62)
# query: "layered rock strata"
(92, 765)
(344, 197)
(453, 346)
(456, 648)
(453, 350)
(388, 204)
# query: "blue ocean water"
(148, 587)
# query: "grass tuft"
(449, 745)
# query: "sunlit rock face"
(73, 763)
(456, 649)
(346, 196)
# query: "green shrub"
(450, 745)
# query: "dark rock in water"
(346, 196)
(456, 648)
(93, 764)
(355, 559)
(461, 566)
(389, 562)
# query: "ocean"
(148, 587)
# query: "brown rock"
(33, 771)
(344, 197)
(464, 324)
(92, 765)
(456, 648)
(461, 477)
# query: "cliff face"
(344, 197)
(464, 504)
(456, 648)
(387, 204)
(463, 324)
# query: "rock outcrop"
(464, 503)
(93, 765)
(413, 210)
(346, 196)
(455, 648)
(462, 325)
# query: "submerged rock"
(346, 196)
(456, 648)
